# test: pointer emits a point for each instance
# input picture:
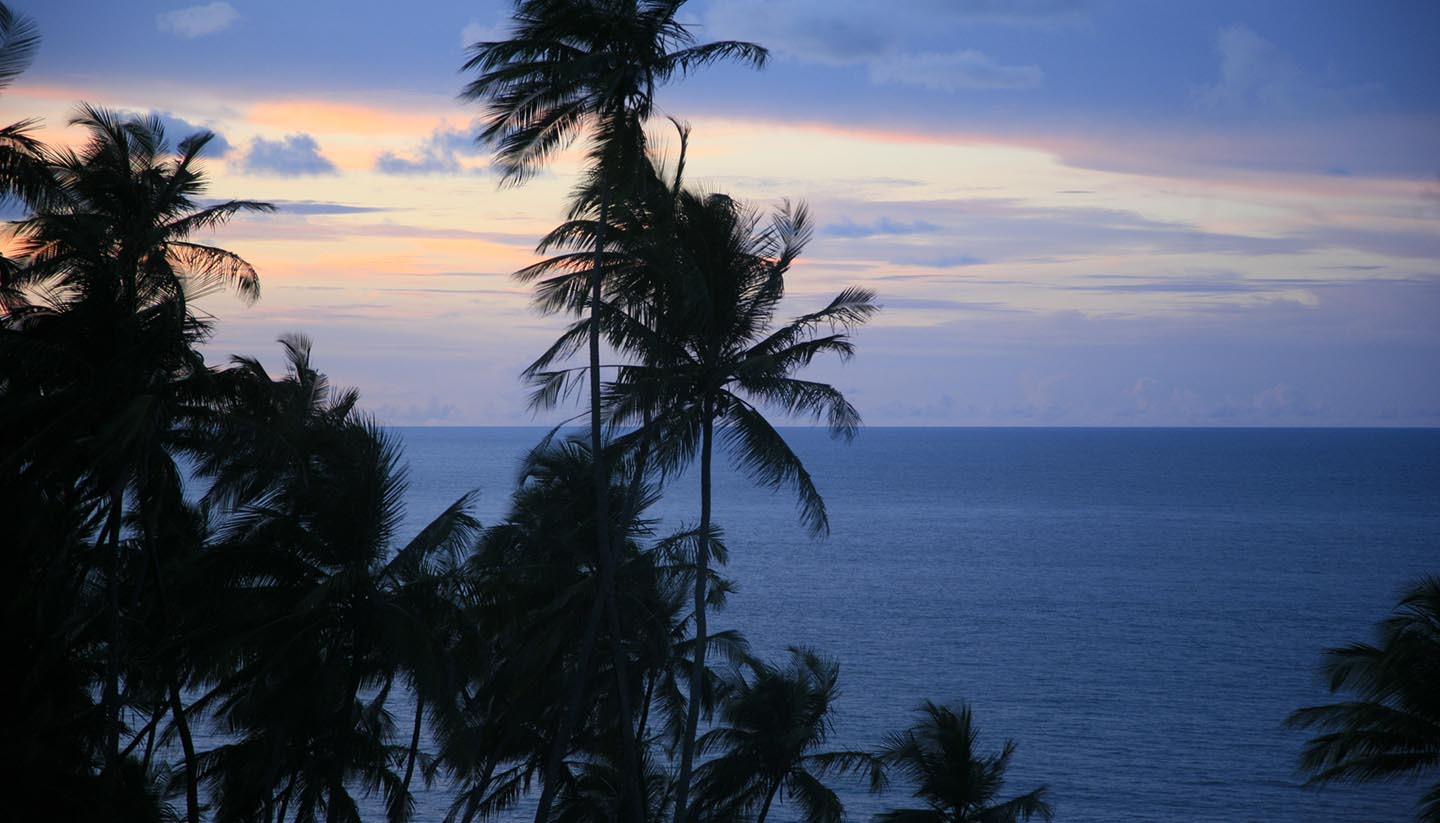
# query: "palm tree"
(703, 283)
(19, 38)
(1390, 728)
(98, 338)
(21, 164)
(765, 745)
(318, 614)
(533, 589)
(569, 65)
(958, 784)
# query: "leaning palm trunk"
(187, 744)
(414, 743)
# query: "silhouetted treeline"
(192, 548)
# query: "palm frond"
(19, 40)
(762, 453)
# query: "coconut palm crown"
(1389, 729)
(569, 64)
(939, 755)
(767, 745)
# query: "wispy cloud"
(884, 225)
(942, 261)
(318, 207)
(966, 70)
(291, 155)
(882, 37)
(197, 21)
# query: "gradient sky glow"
(1076, 212)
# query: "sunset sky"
(1075, 212)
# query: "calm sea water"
(1138, 609)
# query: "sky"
(1074, 212)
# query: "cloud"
(1257, 76)
(911, 43)
(320, 207)
(293, 154)
(429, 414)
(884, 225)
(840, 31)
(1222, 283)
(993, 229)
(928, 303)
(967, 70)
(944, 261)
(437, 154)
(197, 21)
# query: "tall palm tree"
(940, 757)
(765, 745)
(702, 285)
(1390, 728)
(570, 65)
(98, 338)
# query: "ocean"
(1138, 609)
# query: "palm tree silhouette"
(765, 745)
(532, 590)
(568, 65)
(21, 156)
(19, 39)
(98, 337)
(939, 755)
(1390, 729)
(702, 285)
(317, 613)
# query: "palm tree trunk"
(414, 742)
(555, 759)
(337, 780)
(149, 730)
(110, 697)
(630, 761)
(285, 800)
(177, 708)
(187, 744)
(606, 559)
(769, 797)
(645, 706)
(702, 571)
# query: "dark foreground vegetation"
(561, 656)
